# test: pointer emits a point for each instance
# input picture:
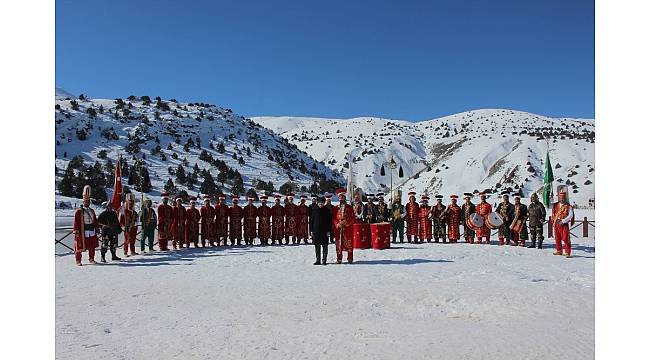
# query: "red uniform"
(250, 223)
(277, 232)
(454, 213)
(344, 244)
(221, 222)
(264, 226)
(85, 229)
(207, 224)
(483, 209)
(178, 225)
(290, 222)
(192, 218)
(425, 224)
(562, 217)
(302, 218)
(165, 220)
(129, 221)
(235, 214)
(412, 212)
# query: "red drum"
(494, 220)
(361, 236)
(475, 221)
(380, 235)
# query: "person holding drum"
(321, 222)
(412, 211)
(454, 215)
(483, 208)
(536, 217)
(518, 227)
(507, 212)
(467, 210)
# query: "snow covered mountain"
(487, 149)
(168, 133)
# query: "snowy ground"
(415, 301)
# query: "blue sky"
(411, 60)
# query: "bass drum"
(494, 220)
(475, 221)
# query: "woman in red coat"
(221, 220)
(277, 232)
(302, 220)
(264, 227)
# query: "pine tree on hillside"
(221, 148)
(66, 186)
(238, 185)
(222, 177)
(180, 174)
(146, 181)
(169, 187)
(208, 186)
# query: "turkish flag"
(116, 200)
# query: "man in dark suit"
(321, 226)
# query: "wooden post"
(585, 227)
(550, 227)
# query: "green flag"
(548, 181)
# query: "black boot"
(539, 245)
(113, 256)
(317, 262)
(103, 256)
(532, 245)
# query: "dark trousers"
(318, 252)
(109, 242)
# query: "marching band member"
(454, 215)
(344, 220)
(369, 210)
(128, 221)
(264, 227)
(207, 217)
(358, 207)
(277, 232)
(192, 219)
(439, 213)
(302, 220)
(382, 213)
(235, 215)
(165, 220)
(536, 216)
(483, 208)
(562, 217)
(520, 215)
(328, 204)
(507, 212)
(467, 210)
(398, 213)
(424, 221)
(148, 221)
(412, 210)
(85, 229)
(250, 222)
(221, 212)
(178, 224)
(290, 219)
